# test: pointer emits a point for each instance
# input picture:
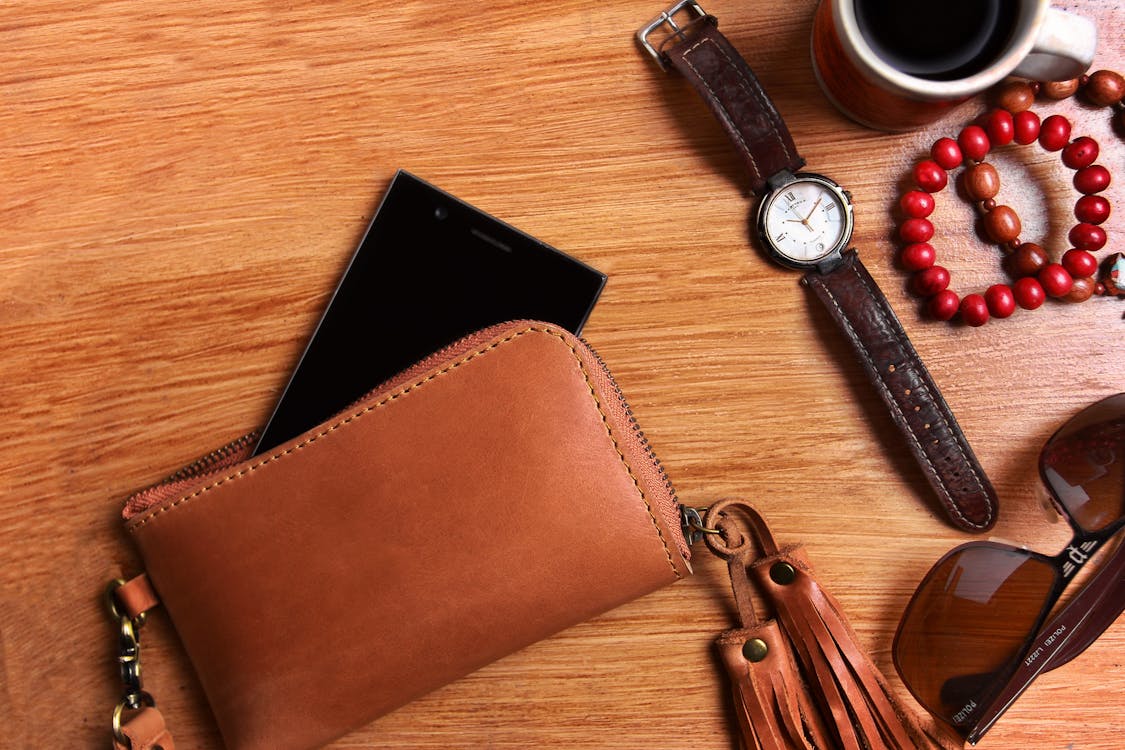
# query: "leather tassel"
(854, 693)
(773, 708)
(800, 680)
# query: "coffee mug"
(894, 65)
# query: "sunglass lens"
(1083, 464)
(967, 623)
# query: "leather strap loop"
(916, 405)
(136, 596)
(730, 88)
(145, 731)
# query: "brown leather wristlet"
(488, 497)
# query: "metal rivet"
(755, 650)
(783, 573)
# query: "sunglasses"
(983, 624)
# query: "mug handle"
(1063, 50)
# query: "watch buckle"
(667, 18)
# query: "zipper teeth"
(238, 449)
(214, 460)
(636, 427)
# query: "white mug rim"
(885, 75)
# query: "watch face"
(805, 221)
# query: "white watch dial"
(805, 220)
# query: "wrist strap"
(137, 724)
(915, 404)
(725, 81)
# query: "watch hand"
(813, 209)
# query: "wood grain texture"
(183, 184)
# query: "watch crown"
(848, 195)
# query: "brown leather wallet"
(492, 495)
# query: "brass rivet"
(783, 573)
(755, 650)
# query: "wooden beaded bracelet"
(1036, 277)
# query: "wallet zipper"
(240, 449)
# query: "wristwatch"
(804, 222)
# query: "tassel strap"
(830, 695)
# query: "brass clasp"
(128, 661)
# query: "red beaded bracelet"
(1035, 276)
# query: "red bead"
(1092, 209)
(974, 310)
(1081, 152)
(1001, 301)
(916, 230)
(943, 305)
(1087, 237)
(1026, 126)
(917, 204)
(1079, 263)
(974, 143)
(1054, 133)
(946, 153)
(930, 176)
(917, 257)
(1000, 128)
(1092, 179)
(1055, 280)
(931, 281)
(1029, 293)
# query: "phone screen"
(429, 270)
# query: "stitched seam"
(406, 390)
(727, 117)
(754, 91)
(944, 420)
(949, 501)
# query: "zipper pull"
(691, 523)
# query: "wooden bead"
(1079, 263)
(1104, 88)
(917, 256)
(946, 153)
(943, 305)
(974, 310)
(1002, 224)
(1026, 125)
(1081, 290)
(1029, 293)
(974, 143)
(1055, 280)
(930, 281)
(1092, 209)
(1016, 96)
(1001, 301)
(1092, 179)
(981, 181)
(1027, 260)
(930, 176)
(1059, 89)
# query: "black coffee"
(942, 40)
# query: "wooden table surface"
(184, 183)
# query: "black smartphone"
(429, 270)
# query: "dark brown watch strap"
(725, 81)
(721, 76)
(914, 401)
